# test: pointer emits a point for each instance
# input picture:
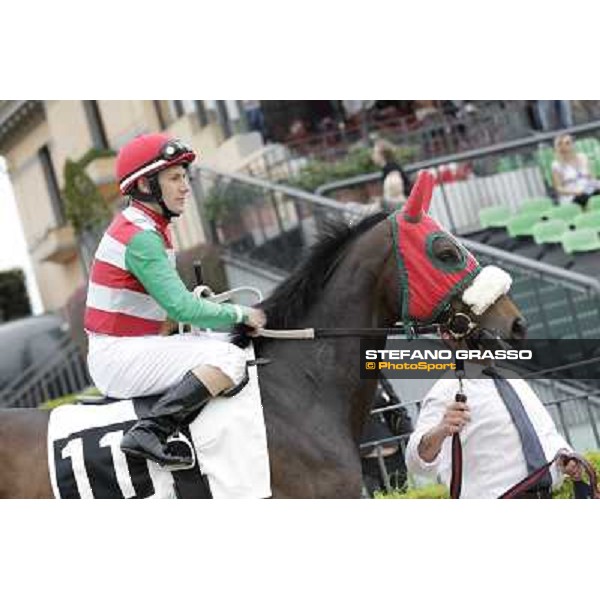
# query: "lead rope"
(581, 491)
(457, 463)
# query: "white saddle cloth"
(229, 437)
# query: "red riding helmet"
(148, 154)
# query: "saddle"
(228, 440)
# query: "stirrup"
(179, 438)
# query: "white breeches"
(123, 367)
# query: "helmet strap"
(154, 197)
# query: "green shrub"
(226, 198)
(357, 162)
(439, 491)
(434, 491)
(68, 399)
(84, 205)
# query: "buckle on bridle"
(459, 325)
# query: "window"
(223, 117)
(94, 119)
(52, 185)
(178, 108)
(201, 112)
(159, 114)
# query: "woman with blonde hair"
(571, 173)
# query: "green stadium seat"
(510, 162)
(549, 232)
(591, 148)
(593, 203)
(580, 240)
(522, 224)
(564, 212)
(544, 158)
(494, 216)
(588, 220)
(536, 205)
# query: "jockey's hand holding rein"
(256, 319)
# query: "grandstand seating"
(536, 205)
(522, 224)
(494, 216)
(591, 148)
(564, 212)
(594, 203)
(550, 231)
(544, 157)
(588, 220)
(580, 240)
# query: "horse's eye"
(448, 256)
(445, 253)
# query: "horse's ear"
(420, 197)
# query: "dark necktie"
(530, 442)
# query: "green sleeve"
(146, 258)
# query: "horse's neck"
(330, 366)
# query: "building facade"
(37, 137)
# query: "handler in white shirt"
(493, 459)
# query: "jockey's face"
(175, 186)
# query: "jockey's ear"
(418, 203)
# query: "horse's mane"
(294, 296)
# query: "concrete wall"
(67, 135)
(56, 282)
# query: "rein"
(589, 490)
(582, 490)
(320, 333)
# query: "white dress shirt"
(493, 460)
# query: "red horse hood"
(426, 283)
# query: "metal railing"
(435, 135)
(556, 303)
(508, 173)
(274, 162)
(265, 224)
(63, 373)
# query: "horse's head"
(440, 281)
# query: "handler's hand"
(457, 415)
(572, 469)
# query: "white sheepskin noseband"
(491, 283)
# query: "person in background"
(255, 116)
(571, 173)
(544, 110)
(396, 184)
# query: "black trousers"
(582, 199)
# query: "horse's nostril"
(519, 328)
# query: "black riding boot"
(176, 408)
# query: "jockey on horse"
(134, 287)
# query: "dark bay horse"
(315, 403)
